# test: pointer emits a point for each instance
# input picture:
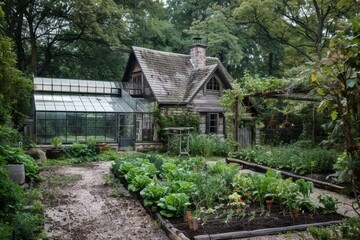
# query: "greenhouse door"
(126, 131)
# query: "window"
(136, 82)
(212, 123)
(213, 85)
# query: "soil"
(261, 220)
(79, 206)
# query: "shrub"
(79, 150)
(17, 155)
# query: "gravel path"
(84, 209)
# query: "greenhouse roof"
(76, 86)
(77, 103)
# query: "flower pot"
(53, 153)
(269, 203)
(16, 172)
(100, 147)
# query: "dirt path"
(79, 206)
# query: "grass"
(117, 189)
(62, 179)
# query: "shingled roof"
(172, 77)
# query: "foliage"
(138, 183)
(330, 203)
(14, 104)
(173, 205)
(204, 145)
(153, 192)
(175, 119)
(320, 233)
(350, 228)
(79, 150)
(337, 81)
(21, 212)
(56, 142)
(264, 185)
(291, 157)
(9, 135)
(16, 155)
(207, 187)
(305, 187)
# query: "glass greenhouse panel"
(76, 127)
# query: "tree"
(15, 88)
(302, 26)
(218, 29)
(49, 32)
(338, 82)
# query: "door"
(126, 131)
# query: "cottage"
(120, 112)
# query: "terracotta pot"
(100, 147)
(269, 203)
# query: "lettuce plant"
(174, 204)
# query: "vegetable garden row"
(208, 198)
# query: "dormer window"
(135, 85)
(213, 85)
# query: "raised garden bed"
(225, 203)
(260, 168)
(262, 224)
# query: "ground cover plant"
(219, 198)
(21, 210)
(301, 157)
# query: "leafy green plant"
(319, 233)
(17, 155)
(350, 228)
(264, 185)
(138, 183)
(79, 151)
(305, 187)
(56, 142)
(153, 192)
(181, 186)
(294, 157)
(330, 203)
(173, 205)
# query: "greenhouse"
(76, 110)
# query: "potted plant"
(100, 147)
(57, 150)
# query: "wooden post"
(236, 121)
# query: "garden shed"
(76, 110)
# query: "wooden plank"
(262, 232)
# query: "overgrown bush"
(79, 150)
(17, 220)
(299, 157)
(17, 155)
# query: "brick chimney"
(198, 53)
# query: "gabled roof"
(171, 76)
